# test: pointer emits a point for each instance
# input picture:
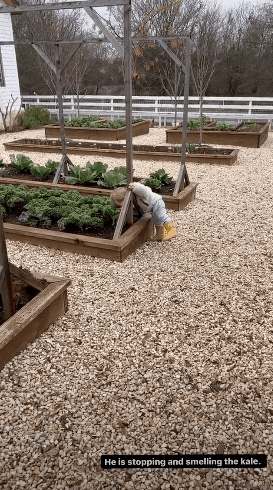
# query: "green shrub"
(36, 116)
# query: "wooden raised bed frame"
(172, 202)
(21, 146)
(106, 134)
(103, 248)
(217, 137)
(35, 317)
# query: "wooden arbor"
(127, 208)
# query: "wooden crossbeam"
(62, 5)
(172, 55)
(92, 40)
(110, 38)
(45, 57)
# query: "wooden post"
(183, 174)
(127, 206)
(128, 102)
(5, 281)
(60, 103)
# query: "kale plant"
(21, 163)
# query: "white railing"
(161, 109)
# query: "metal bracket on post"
(183, 174)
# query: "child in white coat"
(148, 202)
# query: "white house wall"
(9, 64)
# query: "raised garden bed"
(69, 222)
(116, 250)
(48, 303)
(222, 156)
(237, 135)
(106, 134)
(10, 176)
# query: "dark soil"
(12, 173)
(256, 129)
(22, 294)
(118, 146)
(211, 151)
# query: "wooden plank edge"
(11, 328)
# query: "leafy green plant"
(52, 166)
(39, 171)
(98, 167)
(121, 170)
(4, 211)
(190, 147)
(161, 175)
(222, 126)
(81, 175)
(114, 178)
(152, 182)
(21, 162)
(35, 116)
(43, 207)
(81, 121)
(252, 125)
(195, 124)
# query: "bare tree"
(205, 54)
(51, 25)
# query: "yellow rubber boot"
(169, 231)
(159, 233)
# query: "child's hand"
(132, 186)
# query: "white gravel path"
(129, 367)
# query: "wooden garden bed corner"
(35, 317)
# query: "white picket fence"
(161, 109)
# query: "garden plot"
(176, 340)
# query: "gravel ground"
(169, 352)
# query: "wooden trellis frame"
(127, 208)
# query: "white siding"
(9, 63)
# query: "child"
(148, 202)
